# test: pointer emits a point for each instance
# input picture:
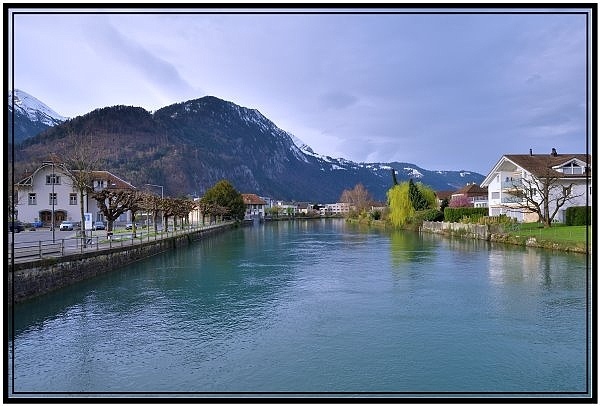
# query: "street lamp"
(53, 199)
(162, 197)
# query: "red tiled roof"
(113, 181)
(250, 198)
(472, 189)
(443, 194)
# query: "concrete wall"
(27, 280)
(477, 231)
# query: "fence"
(31, 251)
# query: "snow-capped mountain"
(440, 180)
(31, 115)
(190, 146)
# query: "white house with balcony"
(523, 172)
(49, 190)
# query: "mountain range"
(31, 115)
(187, 147)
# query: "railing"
(512, 184)
(30, 251)
(36, 250)
(511, 199)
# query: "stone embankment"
(476, 231)
(30, 279)
(485, 232)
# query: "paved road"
(40, 234)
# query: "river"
(314, 307)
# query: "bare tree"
(135, 204)
(358, 197)
(112, 203)
(152, 203)
(543, 194)
(169, 207)
(81, 160)
(184, 208)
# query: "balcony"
(511, 199)
(512, 184)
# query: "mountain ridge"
(31, 115)
(189, 146)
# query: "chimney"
(554, 153)
(530, 152)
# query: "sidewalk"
(32, 246)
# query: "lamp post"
(53, 200)
(162, 197)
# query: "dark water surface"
(315, 306)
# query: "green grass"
(557, 233)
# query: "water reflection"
(536, 266)
(408, 247)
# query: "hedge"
(578, 216)
(455, 214)
(428, 215)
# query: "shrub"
(456, 214)
(578, 216)
(428, 215)
(376, 215)
(502, 219)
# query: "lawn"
(557, 233)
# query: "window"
(72, 198)
(52, 179)
(32, 200)
(572, 169)
(52, 199)
(495, 195)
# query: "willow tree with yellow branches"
(401, 201)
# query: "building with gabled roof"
(513, 171)
(477, 195)
(49, 190)
(255, 206)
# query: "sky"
(442, 91)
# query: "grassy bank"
(559, 237)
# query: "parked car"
(129, 226)
(17, 226)
(99, 225)
(66, 226)
(37, 224)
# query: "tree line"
(220, 201)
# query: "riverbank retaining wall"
(35, 278)
(477, 231)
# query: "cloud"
(337, 100)
(116, 48)
(401, 86)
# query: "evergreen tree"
(417, 199)
(394, 177)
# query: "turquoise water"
(315, 306)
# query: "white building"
(286, 208)
(49, 189)
(255, 206)
(335, 209)
(521, 171)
